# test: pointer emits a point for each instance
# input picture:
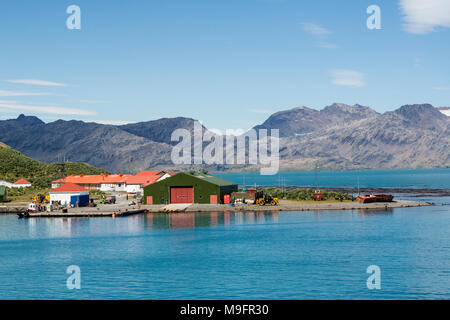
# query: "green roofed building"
(2, 193)
(189, 188)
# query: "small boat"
(32, 208)
(369, 198)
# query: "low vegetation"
(25, 194)
(14, 166)
(301, 194)
(97, 194)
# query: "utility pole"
(358, 185)
(316, 178)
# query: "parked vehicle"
(318, 196)
(265, 199)
(110, 200)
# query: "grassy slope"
(14, 166)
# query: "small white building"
(22, 183)
(69, 193)
(6, 184)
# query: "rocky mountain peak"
(341, 107)
(419, 112)
(29, 120)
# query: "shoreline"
(285, 205)
(412, 192)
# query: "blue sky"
(228, 63)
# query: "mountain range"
(339, 136)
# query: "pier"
(285, 205)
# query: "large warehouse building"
(189, 188)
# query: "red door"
(181, 195)
(213, 198)
(149, 199)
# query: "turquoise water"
(426, 178)
(286, 255)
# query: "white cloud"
(37, 82)
(320, 33)
(7, 93)
(425, 16)
(13, 105)
(441, 88)
(315, 29)
(348, 78)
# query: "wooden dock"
(79, 214)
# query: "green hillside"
(15, 166)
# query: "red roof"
(94, 179)
(149, 173)
(68, 187)
(145, 178)
(22, 181)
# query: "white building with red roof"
(136, 183)
(22, 183)
(115, 182)
(69, 193)
(104, 182)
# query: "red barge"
(369, 198)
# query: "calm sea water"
(288, 255)
(427, 178)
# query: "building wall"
(160, 191)
(113, 186)
(134, 188)
(21, 185)
(64, 197)
(6, 184)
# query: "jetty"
(285, 205)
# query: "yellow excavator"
(265, 199)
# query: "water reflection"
(368, 213)
(203, 219)
(139, 224)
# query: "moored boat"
(32, 208)
(369, 198)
